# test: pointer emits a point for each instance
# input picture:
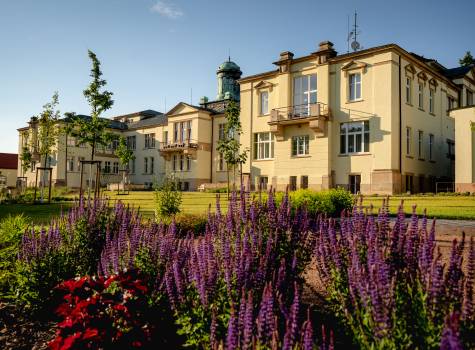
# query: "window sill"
(432, 161)
(409, 104)
(355, 101)
(301, 156)
(263, 115)
(263, 160)
(410, 157)
(421, 159)
(354, 154)
(421, 109)
(432, 114)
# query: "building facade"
(381, 120)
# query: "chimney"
(286, 55)
(325, 51)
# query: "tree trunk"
(227, 173)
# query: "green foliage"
(168, 198)
(123, 152)
(194, 223)
(93, 132)
(467, 59)
(48, 131)
(11, 231)
(25, 158)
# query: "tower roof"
(229, 66)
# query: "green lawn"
(442, 207)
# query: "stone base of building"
(383, 182)
(465, 187)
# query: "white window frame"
(264, 103)
(354, 85)
(431, 100)
(420, 144)
(303, 94)
(107, 167)
(263, 148)
(431, 146)
(352, 136)
(115, 167)
(302, 146)
(408, 90)
(221, 132)
(420, 95)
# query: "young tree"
(229, 146)
(125, 156)
(93, 131)
(467, 60)
(168, 198)
(48, 133)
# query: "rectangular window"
(165, 137)
(263, 145)
(145, 165)
(182, 162)
(174, 162)
(188, 163)
(408, 90)
(305, 94)
(115, 144)
(293, 183)
(469, 98)
(70, 164)
(431, 147)
(264, 103)
(304, 181)
(152, 165)
(188, 131)
(300, 145)
(409, 183)
(355, 86)
(420, 94)
(107, 167)
(115, 167)
(450, 103)
(175, 132)
(220, 162)
(182, 131)
(150, 140)
(33, 166)
(408, 140)
(71, 141)
(431, 101)
(263, 181)
(354, 137)
(131, 166)
(131, 142)
(221, 131)
(450, 149)
(420, 148)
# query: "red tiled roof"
(8, 161)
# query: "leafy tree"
(229, 146)
(168, 198)
(93, 131)
(67, 131)
(467, 60)
(48, 133)
(124, 154)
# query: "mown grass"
(442, 207)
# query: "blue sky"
(151, 50)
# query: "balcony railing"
(315, 114)
(298, 113)
(177, 146)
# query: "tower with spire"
(228, 74)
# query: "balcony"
(187, 147)
(315, 114)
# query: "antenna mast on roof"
(352, 36)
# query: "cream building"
(380, 120)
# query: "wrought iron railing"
(296, 112)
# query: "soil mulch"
(19, 331)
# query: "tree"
(125, 155)
(48, 133)
(93, 131)
(229, 146)
(168, 198)
(67, 130)
(467, 60)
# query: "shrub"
(390, 286)
(186, 223)
(11, 232)
(168, 198)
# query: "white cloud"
(168, 10)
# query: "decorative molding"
(264, 85)
(422, 76)
(354, 65)
(433, 83)
(410, 70)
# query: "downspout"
(251, 151)
(400, 125)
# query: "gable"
(264, 85)
(184, 108)
(354, 65)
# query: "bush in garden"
(168, 198)
(390, 286)
(11, 232)
(99, 313)
(186, 223)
